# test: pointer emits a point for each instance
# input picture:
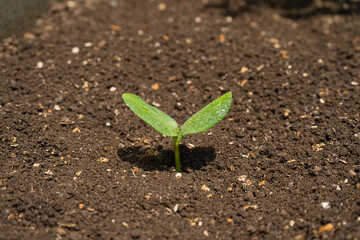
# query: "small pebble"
(178, 175)
(260, 67)
(71, 4)
(197, 19)
(326, 228)
(162, 6)
(352, 173)
(112, 89)
(322, 101)
(76, 130)
(29, 36)
(156, 104)
(206, 233)
(229, 19)
(205, 188)
(39, 64)
(103, 160)
(292, 223)
(244, 70)
(242, 178)
(88, 44)
(176, 207)
(325, 205)
(49, 172)
(140, 32)
(75, 50)
(57, 108)
(222, 38)
(353, 83)
(155, 86)
(60, 231)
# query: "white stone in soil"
(176, 207)
(39, 64)
(75, 50)
(325, 205)
(229, 19)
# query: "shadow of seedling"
(160, 159)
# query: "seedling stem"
(177, 154)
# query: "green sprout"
(201, 121)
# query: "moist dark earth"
(76, 163)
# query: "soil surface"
(76, 163)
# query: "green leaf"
(153, 116)
(207, 117)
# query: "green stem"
(177, 154)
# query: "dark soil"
(76, 163)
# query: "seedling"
(201, 121)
